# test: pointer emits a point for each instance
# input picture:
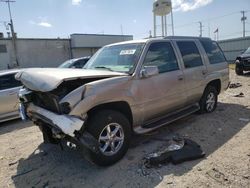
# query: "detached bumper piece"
(67, 124)
(187, 152)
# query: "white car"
(9, 88)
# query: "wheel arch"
(216, 84)
(121, 106)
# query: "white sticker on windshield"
(128, 52)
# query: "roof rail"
(186, 37)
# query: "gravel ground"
(224, 135)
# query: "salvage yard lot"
(224, 136)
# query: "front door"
(165, 91)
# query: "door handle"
(180, 77)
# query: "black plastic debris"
(239, 95)
(235, 85)
(178, 151)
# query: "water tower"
(162, 8)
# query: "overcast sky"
(60, 18)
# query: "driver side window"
(161, 54)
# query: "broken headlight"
(65, 108)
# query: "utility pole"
(201, 26)
(13, 35)
(243, 19)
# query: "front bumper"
(62, 125)
(244, 63)
(65, 123)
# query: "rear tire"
(208, 102)
(112, 130)
(238, 70)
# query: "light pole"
(12, 32)
(243, 19)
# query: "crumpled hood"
(48, 79)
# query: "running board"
(171, 117)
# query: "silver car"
(9, 88)
(75, 63)
(125, 88)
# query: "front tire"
(47, 135)
(208, 102)
(112, 130)
(238, 69)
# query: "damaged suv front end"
(50, 102)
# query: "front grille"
(46, 101)
(246, 62)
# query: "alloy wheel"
(111, 139)
(210, 102)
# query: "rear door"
(195, 70)
(9, 88)
(217, 61)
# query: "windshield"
(66, 64)
(119, 58)
(247, 51)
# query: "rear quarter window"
(214, 53)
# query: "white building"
(52, 52)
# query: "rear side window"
(213, 51)
(161, 54)
(8, 81)
(190, 54)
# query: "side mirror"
(148, 71)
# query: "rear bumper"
(65, 123)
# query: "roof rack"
(186, 37)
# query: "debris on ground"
(244, 119)
(239, 95)
(235, 85)
(46, 185)
(13, 163)
(246, 176)
(177, 151)
(217, 175)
